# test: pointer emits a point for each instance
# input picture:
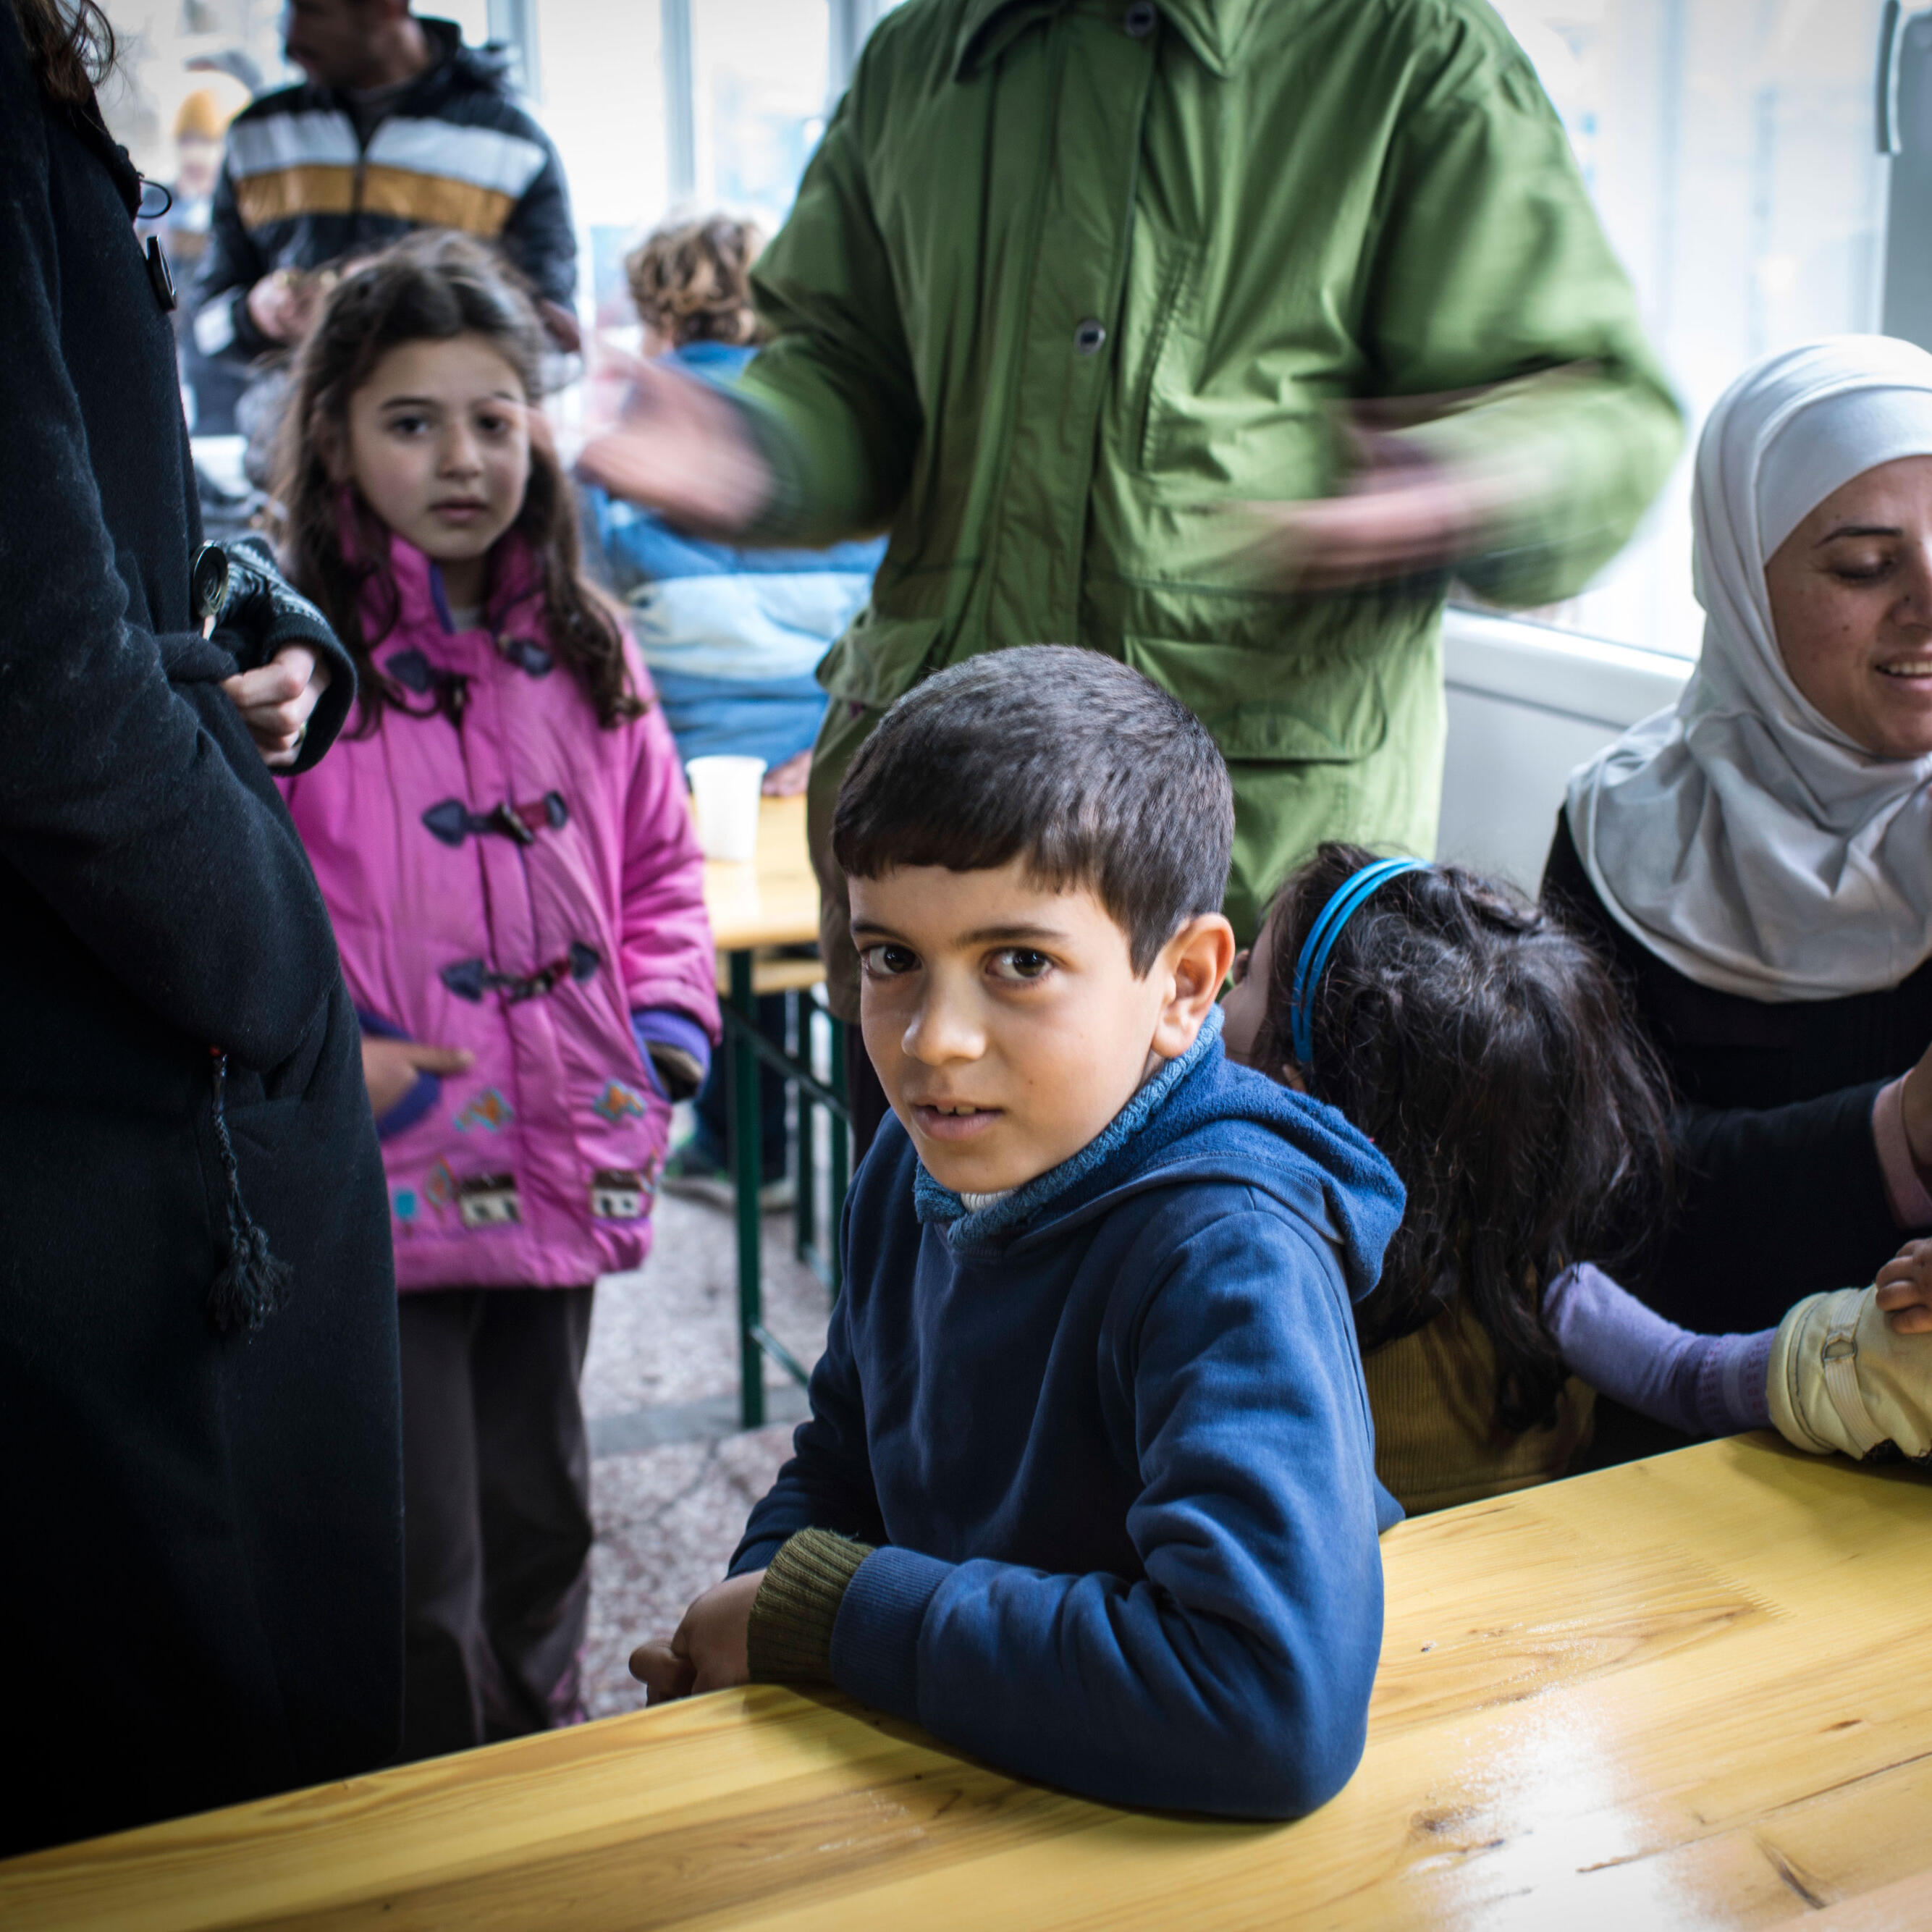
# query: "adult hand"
(276, 700)
(390, 1067)
(283, 304)
(708, 1651)
(789, 779)
(680, 447)
(1397, 516)
(1904, 1287)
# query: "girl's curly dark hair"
(428, 288)
(691, 280)
(1492, 1057)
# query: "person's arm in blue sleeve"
(675, 1049)
(1234, 1675)
(140, 811)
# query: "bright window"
(1731, 149)
(760, 82)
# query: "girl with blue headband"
(1493, 1059)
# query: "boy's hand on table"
(1904, 1287)
(707, 1653)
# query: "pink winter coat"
(529, 935)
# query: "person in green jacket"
(1213, 334)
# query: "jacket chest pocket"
(1168, 376)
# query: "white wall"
(1527, 705)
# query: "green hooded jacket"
(1070, 281)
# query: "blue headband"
(1320, 942)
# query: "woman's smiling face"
(1851, 601)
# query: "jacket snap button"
(1139, 19)
(1088, 337)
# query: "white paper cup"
(724, 794)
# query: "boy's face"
(1005, 1018)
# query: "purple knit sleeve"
(675, 1049)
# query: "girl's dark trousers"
(496, 1512)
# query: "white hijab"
(1741, 837)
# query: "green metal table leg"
(741, 1063)
(798, 1007)
(841, 1155)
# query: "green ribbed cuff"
(790, 1638)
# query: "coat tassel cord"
(252, 1282)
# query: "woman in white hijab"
(1759, 860)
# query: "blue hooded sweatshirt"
(1111, 1435)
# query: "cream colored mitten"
(1840, 1379)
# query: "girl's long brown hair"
(71, 46)
(428, 288)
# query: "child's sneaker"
(693, 1174)
(1840, 1378)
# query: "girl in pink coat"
(503, 845)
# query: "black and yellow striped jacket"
(299, 189)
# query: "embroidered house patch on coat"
(488, 1200)
(620, 1194)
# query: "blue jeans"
(773, 719)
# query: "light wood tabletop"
(1688, 1693)
(773, 899)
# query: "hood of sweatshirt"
(1202, 1119)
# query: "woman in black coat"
(198, 1443)
(1759, 861)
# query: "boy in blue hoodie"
(1088, 1487)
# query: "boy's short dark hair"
(1083, 768)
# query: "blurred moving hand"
(1398, 514)
(678, 447)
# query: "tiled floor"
(672, 1477)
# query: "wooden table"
(770, 902)
(774, 900)
(1694, 1692)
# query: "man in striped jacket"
(398, 126)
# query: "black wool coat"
(200, 1530)
(1780, 1191)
